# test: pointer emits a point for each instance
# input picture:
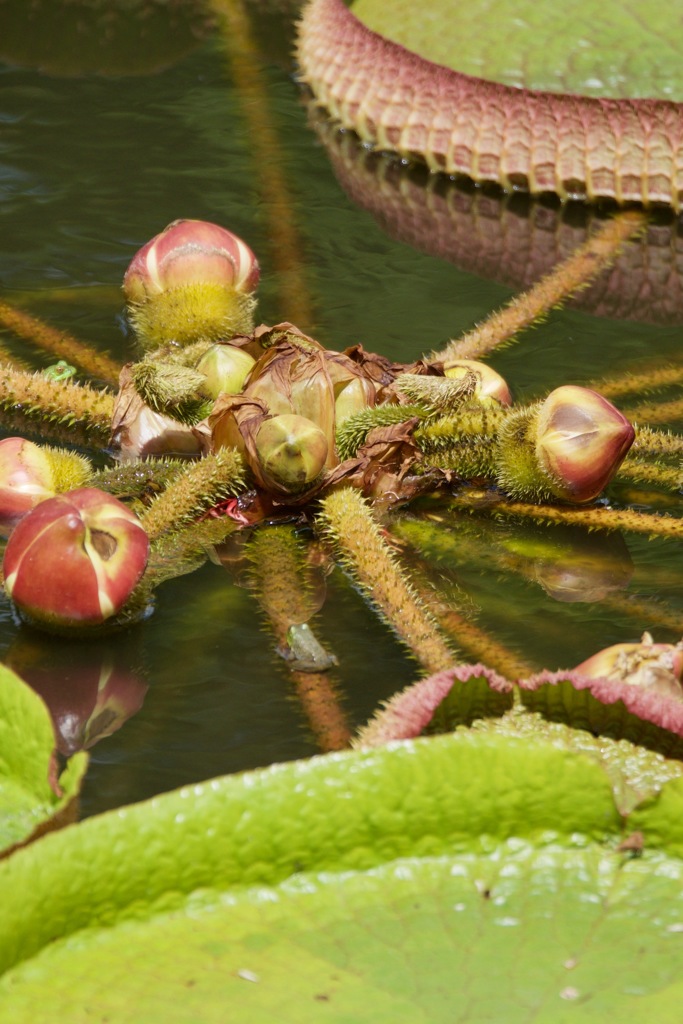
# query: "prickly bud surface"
(490, 383)
(291, 451)
(581, 440)
(75, 559)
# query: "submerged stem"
(283, 232)
(349, 523)
(283, 591)
(477, 642)
(669, 478)
(635, 383)
(594, 517)
(655, 412)
(59, 343)
(567, 277)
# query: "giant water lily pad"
(382, 885)
(32, 798)
(512, 239)
(623, 48)
(400, 98)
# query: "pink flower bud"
(581, 440)
(190, 252)
(647, 665)
(25, 478)
(75, 559)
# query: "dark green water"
(92, 165)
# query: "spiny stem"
(668, 477)
(477, 642)
(592, 518)
(279, 576)
(353, 432)
(656, 442)
(59, 343)
(568, 277)
(639, 381)
(59, 401)
(176, 554)
(349, 524)
(645, 612)
(138, 479)
(286, 243)
(655, 412)
(202, 485)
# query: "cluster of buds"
(194, 281)
(284, 420)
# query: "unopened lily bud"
(359, 394)
(490, 384)
(191, 282)
(226, 368)
(581, 440)
(75, 559)
(25, 478)
(30, 473)
(647, 665)
(291, 451)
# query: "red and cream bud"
(190, 252)
(75, 559)
(647, 665)
(490, 384)
(581, 440)
(191, 282)
(25, 478)
(30, 473)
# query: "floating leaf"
(32, 800)
(442, 702)
(367, 881)
(406, 100)
(609, 708)
(624, 48)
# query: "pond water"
(103, 147)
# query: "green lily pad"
(364, 886)
(608, 130)
(621, 48)
(31, 798)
